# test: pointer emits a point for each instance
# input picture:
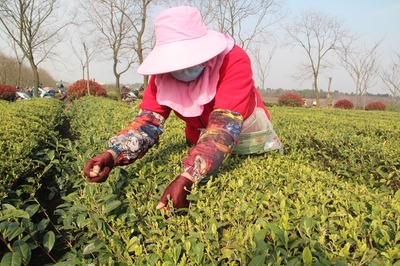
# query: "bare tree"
(317, 34)
(263, 65)
(251, 24)
(246, 21)
(362, 64)
(391, 76)
(117, 33)
(20, 60)
(35, 28)
(85, 48)
(138, 15)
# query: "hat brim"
(183, 54)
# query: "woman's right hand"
(99, 167)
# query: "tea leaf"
(32, 209)
(7, 214)
(90, 248)
(344, 252)
(199, 252)
(11, 259)
(111, 206)
(48, 240)
(177, 252)
(277, 231)
(397, 195)
(257, 261)
(22, 247)
(11, 230)
(307, 256)
(43, 224)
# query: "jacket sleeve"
(137, 137)
(215, 145)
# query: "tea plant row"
(331, 199)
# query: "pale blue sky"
(373, 19)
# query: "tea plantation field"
(331, 199)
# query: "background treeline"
(329, 99)
(15, 73)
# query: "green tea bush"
(270, 104)
(7, 92)
(290, 99)
(30, 167)
(79, 89)
(375, 106)
(392, 107)
(363, 148)
(112, 95)
(98, 118)
(330, 200)
(268, 210)
(27, 127)
(344, 104)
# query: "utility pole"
(329, 92)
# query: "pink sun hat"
(182, 41)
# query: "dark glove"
(178, 190)
(106, 163)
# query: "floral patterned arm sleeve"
(215, 145)
(135, 140)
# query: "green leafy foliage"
(27, 127)
(332, 199)
(361, 147)
(392, 107)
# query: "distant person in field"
(207, 81)
(124, 91)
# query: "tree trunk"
(19, 73)
(117, 89)
(117, 79)
(145, 81)
(35, 75)
(88, 78)
(316, 91)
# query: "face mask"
(188, 74)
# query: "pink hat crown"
(179, 24)
(182, 41)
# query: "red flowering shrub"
(344, 104)
(7, 92)
(79, 89)
(375, 106)
(290, 99)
